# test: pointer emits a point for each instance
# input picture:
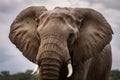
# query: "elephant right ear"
(94, 33)
(23, 31)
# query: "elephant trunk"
(52, 55)
(50, 69)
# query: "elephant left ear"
(94, 32)
(23, 31)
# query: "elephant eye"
(77, 22)
(71, 36)
(37, 20)
(70, 42)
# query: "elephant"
(66, 43)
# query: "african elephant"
(63, 38)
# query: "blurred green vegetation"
(115, 75)
(5, 75)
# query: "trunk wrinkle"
(49, 52)
(52, 64)
(49, 73)
(50, 68)
(58, 61)
(51, 35)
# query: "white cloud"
(16, 64)
(108, 3)
(79, 3)
(116, 57)
(113, 16)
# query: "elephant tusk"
(36, 70)
(70, 70)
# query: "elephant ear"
(94, 33)
(23, 31)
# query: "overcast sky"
(12, 59)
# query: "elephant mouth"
(52, 55)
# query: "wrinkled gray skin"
(54, 38)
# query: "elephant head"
(51, 38)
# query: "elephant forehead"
(56, 21)
(56, 13)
